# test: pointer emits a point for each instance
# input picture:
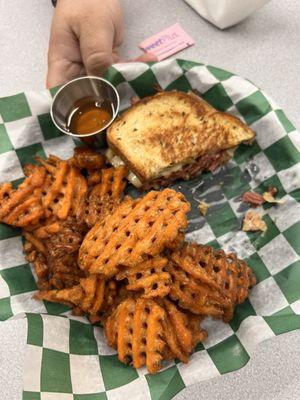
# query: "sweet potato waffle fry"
(207, 281)
(92, 296)
(132, 271)
(88, 295)
(145, 332)
(106, 195)
(86, 158)
(136, 229)
(113, 181)
(94, 177)
(65, 190)
(22, 206)
(98, 208)
(69, 296)
(149, 276)
(53, 249)
(53, 273)
(195, 296)
(67, 239)
(182, 331)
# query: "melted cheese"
(116, 162)
(174, 168)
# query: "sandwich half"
(173, 135)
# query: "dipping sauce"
(89, 115)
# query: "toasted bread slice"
(160, 134)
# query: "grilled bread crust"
(170, 129)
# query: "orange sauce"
(89, 116)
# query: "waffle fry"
(58, 242)
(36, 243)
(61, 280)
(91, 296)
(233, 275)
(113, 181)
(207, 281)
(50, 164)
(67, 240)
(185, 327)
(22, 206)
(49, 241)
(87, 295)
(114, 294)
(57, 238)
(79, 195)
(194, 296)
(87, 158)
(70, 296)
(94, 289)
(145, 333)
(94, 177)
(136, 228)
(149, 276)
(54, 273)
(106, 195)
(99, 207)
(129, 329)
(47, 228)
(102, 297)
(40, 266)
(66, 191)
(132, 271)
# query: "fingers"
(64, 59)
(83, 35)
(62, 71)
(96, 61)
(96, 45)
(84, 38)
(99, 35)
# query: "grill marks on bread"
(172, 128)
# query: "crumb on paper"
(269, 198)
(253, 198)
(256, 199)
(272, 190)
(203, 207)
(253, 222)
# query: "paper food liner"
(66, 357)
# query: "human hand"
(85, 36)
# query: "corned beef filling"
(208, 162)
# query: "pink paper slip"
(167, 42)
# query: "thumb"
(96, 46)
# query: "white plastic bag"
(225, 13)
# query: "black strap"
(54, 2)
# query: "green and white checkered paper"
(66, 357)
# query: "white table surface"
(265, 49)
